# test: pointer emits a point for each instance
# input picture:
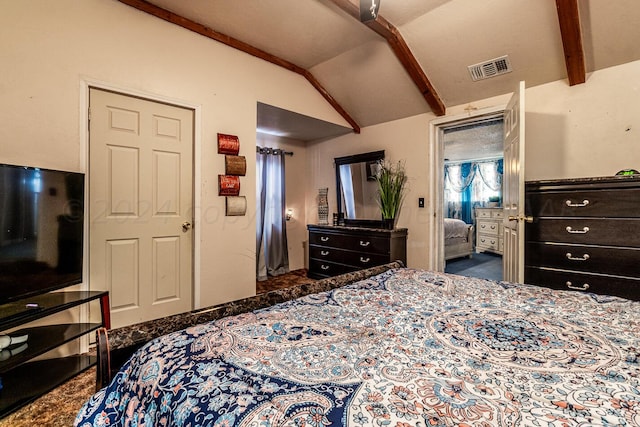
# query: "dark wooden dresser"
(585, 235)
(336, 250)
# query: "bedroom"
(571, 131)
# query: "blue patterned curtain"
(469, 185)
(466, 171)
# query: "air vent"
(491, 68)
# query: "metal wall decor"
(228, 185)
(235, 166)
(235, 206)
(228, 144)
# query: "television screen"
(41, 230)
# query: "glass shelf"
(19, 312)
(31, 380)
(41, 339)
(23, 379)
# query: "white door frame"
(436, 176)
(85, 84)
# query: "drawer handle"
(575, 258)
(584, 230)
(577, 288)
(364, 244)
(324, 238)
(493, 227)
(324, 267)
(363, 259)
(584, 203)
(324, 253)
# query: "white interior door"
(513, 188)
(140, 206)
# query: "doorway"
(467, 160)
(472, 210)
(141, 205)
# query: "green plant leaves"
(391, 179)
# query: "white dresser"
(489, 230)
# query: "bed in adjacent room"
(402, 348)
(458, 239)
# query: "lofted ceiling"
(413, 58)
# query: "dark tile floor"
(292, 278)
(483, 265)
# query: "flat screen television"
(41, 230)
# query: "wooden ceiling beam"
(203, 30)
(402, 51)
(571, 32)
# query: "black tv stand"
(23, 379)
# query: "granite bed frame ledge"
(124, 341)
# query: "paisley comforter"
(404, 348)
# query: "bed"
(406, 347)
(458, 239)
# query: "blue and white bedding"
(404, 348)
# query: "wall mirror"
(356, 189)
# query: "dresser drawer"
(358, 243)
(487, 213)
(622, 203)
(322, 268)
(488, 227)
(592, 259)
(483, 213)
(590, 231)
(599, 284)
(488, 242)
(337, 250)
(357, 259)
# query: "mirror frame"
(356, 158)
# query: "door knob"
(528, 219)
(186, 226)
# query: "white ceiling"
(361, 72)
(477, 141)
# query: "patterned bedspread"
(404, 348)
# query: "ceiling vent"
(491, 68)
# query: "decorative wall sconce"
(289, 214)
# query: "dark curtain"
(272, 256)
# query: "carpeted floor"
(483, 265)
(60, 406)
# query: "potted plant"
(391, 180)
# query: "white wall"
(592, 129)
(403, 140)
(48, 47)
(578, 131)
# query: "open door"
(513, 188)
